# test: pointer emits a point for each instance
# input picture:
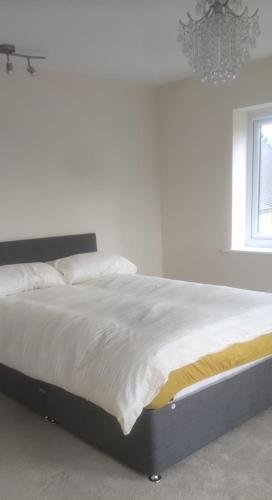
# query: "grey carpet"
(39, 461)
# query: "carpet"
(40, 461)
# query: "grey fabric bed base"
(160, 438)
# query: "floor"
(40, 461)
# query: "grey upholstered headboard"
(46, 249)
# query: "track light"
(9, 66)
(30, 68)
(10, 51)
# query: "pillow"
(83, 267)
(17, 278)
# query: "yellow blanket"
(213, 364)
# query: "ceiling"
(134, 40)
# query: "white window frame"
(255, 120)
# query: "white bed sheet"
(216, 379)
(114, 340)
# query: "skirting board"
(160, 438)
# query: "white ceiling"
(132, 40)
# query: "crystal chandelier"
(219, 42)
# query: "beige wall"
(196, 167)
(80, 155)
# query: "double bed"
(192, 402)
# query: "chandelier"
(10, 51)
(219, 42)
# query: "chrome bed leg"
(51, 420)
(155, 478)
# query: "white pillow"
(83, 267)
(17, 278)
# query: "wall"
(196, 176)
(80, 155)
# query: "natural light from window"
(265, 182)
(252, 179)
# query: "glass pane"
(265, 181)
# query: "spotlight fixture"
(10, 51)
(9, 66)
(30, 68)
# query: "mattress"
(234, 356)
(216, 379)
(114, 341)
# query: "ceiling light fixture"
(9, 66)
(10, 51)
(30, 68)
(218, 43)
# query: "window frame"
(255, 120)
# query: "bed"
(160, 437)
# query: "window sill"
(250, 250)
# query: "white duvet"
(114, 340)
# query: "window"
(259, 191)
(252, 179)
